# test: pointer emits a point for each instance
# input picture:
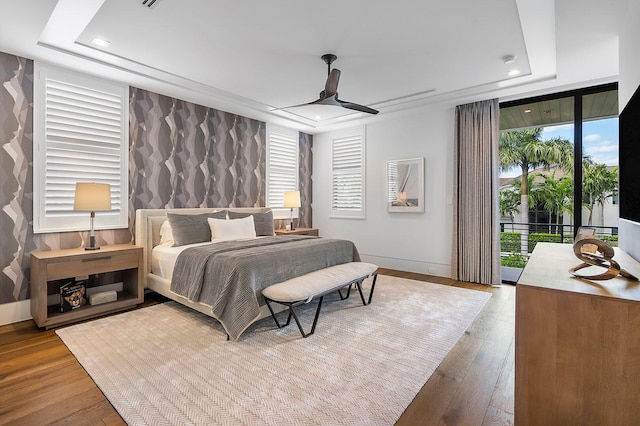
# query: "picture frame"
(405, 185)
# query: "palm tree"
(525, 149)
(509, 200)
(556, 196)
(598, 184)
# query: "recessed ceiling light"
(527, 111)
(318, 117)
(513, 72)
(100, 42)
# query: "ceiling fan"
(329, 96)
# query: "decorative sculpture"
(595, 252)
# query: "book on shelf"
(73, 295)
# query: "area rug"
(167, 364)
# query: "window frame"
(66, 219)
(577, 95)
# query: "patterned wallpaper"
(305, 177)
(181, 155)
(187, 155)
(16, 186)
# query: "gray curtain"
(476, 233)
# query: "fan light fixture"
(329, 96)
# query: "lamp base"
(292, 228)
(92, 240)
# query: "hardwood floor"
(474, 385)
(42, 383)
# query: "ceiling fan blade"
(356, 107)
(331, 86)
(296, 106)
(331, 100)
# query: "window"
(347, 174)
(282, 168)
(586, 119)
(80, 135)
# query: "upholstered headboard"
(149, 222)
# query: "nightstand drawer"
(89, 265)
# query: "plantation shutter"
(82, 138)
(347, 176)
(282, 168)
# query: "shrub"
(612, 240)
(513, 260)
(541, 237)
(509, 241)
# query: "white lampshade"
(91, 197)
(292, 199)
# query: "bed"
(224, 279)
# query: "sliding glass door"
(558, 158)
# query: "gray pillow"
(192, 228)
(263, 222)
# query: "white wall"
(629, 77)
(415, 242)
(628, 83)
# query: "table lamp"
(92, 197)
(292, 200)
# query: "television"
(629, 166)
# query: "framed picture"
(405, 185)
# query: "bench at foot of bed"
(301, 290)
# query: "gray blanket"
(229, 276)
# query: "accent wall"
(181, 155)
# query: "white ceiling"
(251, 57)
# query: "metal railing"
(517, 240)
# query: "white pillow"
(232, 229)
(166, 234)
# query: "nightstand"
(47, 266)
(298, 231)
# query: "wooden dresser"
(577, 343)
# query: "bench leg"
(348, 292)
(315, 319)
(273, 315)
(292, 313)
(373, 287)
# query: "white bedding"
(163, 258)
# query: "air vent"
(148, 3)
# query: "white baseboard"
(15, 312)
(406, 265)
